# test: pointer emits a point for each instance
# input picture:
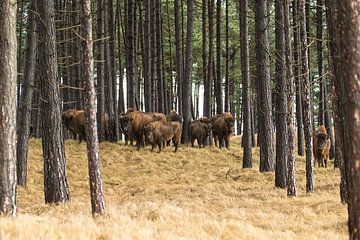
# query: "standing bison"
(173, 116)
(74, 121)
(160, 132)
(222, 128)
(199, 130)
(137, 120)
(321, 145)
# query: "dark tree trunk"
(121, 105)
(349, 21)
(334, 61)
(226, 108)
(55, 182)
(297, 55)
(305, 85)
(113, 114)
(218, 85)
(207, 87)
(130, 48)
(8, 77)
(159, 69)
(309, 41)
(246, 90)
(281, 98)
(147, 59)
(319, 48)
(232, 98)
(187, 74)
(92, 143)
(179, 55)
(100, 74)
(263, 88)
(24, 111)
(171, 87)
(291, 177)
(109, 98)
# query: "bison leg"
(192, 142)
(220, 142)
(227, 142)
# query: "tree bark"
(8, 84)
(297, 56)
(349, 21)
(263, 88)
(207, 87)
(179, 55)
(187, 74)
(281, 98)
(56, 186)
(218, 85)
(246, 89)
(306, 99)
(24, 111)
(291, 176)
(92, 143)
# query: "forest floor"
(192, 194)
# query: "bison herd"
(158, 130)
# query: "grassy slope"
(193, 194)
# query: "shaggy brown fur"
(74, 121)
(321, 146)
(199, 130)
(173, 116)
(222, 128)
(160, 132)
(138, 120)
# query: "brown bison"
(126, 129)
(137, 120)
(199, 130)
(74, 121)
(321, 146)
(160, 132)
(222, 127)
(173, 116)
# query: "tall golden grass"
(192, 194)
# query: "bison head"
(67, 117)
(321, 140)
(149, 134)
(229, 121)
(125, 122)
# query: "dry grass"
(193, 194)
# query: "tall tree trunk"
(281, 98)
(208, 86)
(8, 77)
(160, 82)
(109, 97)
(226, 108)
(336, 78)
(100, 73)
(263, 88)
(170, 89)
(113, 123)
(319, 48)
(187, 74)
(218, 85)
(207, 89)
(297, 56)
(121, 105)
(147, 59)
(130, 47)
(306, 98)
(92, 143)
(24, 111)
(291, 177)
(349, 21)
(56, 186)
(179, 55)
(246, 88)
(309, 39)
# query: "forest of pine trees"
(282, 68)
